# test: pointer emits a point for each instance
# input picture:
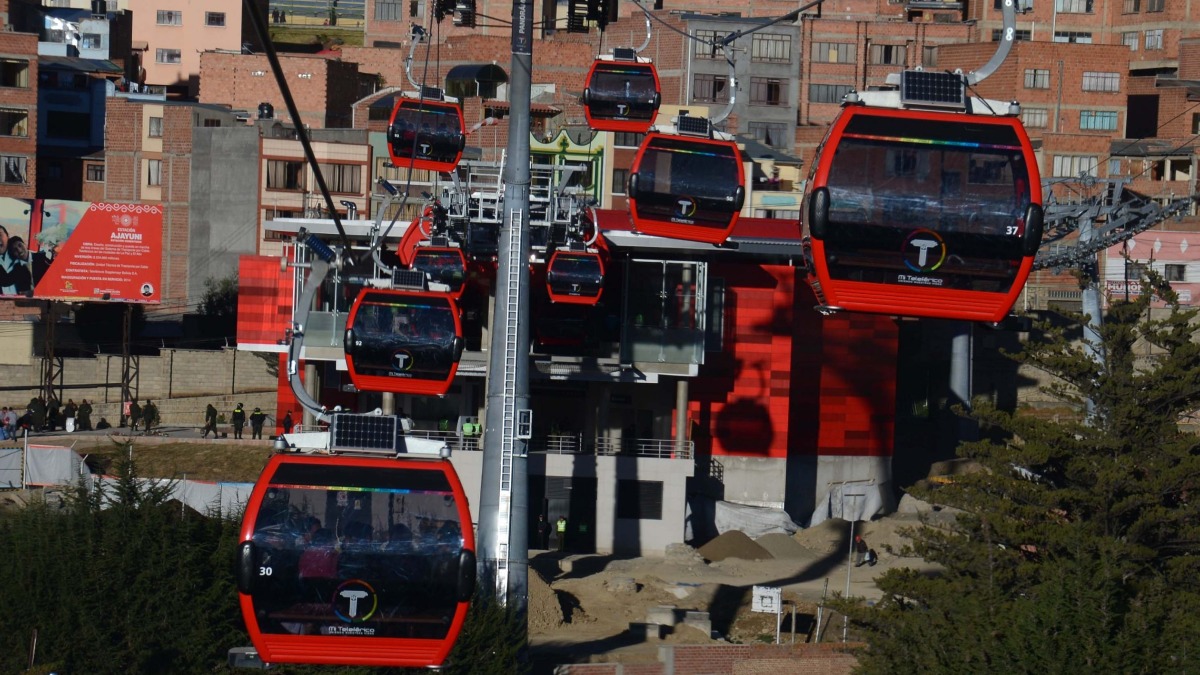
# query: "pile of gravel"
(733, 544)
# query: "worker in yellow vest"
(561, 527)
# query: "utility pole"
(503, 546)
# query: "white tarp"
(850, 501)
(58, 466)
(210, 498)
(53, 465)
(753, 521)
(10, 467)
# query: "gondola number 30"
(265, 571)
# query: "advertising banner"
(54, 249)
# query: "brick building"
(18, 113)
(323, 87)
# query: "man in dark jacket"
(150, 415)
(135, 415)
(85, 416)
(257, 419)
(239, 420)
(210, 420)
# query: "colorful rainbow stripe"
(932, 141)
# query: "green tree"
(219, 307)
(123, 580)
(1076, 549)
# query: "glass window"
(156, 127)
(620, 177)
(1074, 166)
(214, 19)
(1073, 6)
(827, 93)
(1098, 120)
(14, 122)
(94, 173)
(710, 88)
(706, 47)
(1130, 39)
(628, 139)
(153, 172)
(833, 52)
(1073, 36)
(390, 10)
(768, 91)
(889, 55)
(1096, 81)
(14, 73)
(773, 134)
(344, 178)
(285, 174)
(768, 47)
(1155, 5)
(168, 17)
(1154, 39)
(1034, 118)
(13, 169)
(1114, 167)
(167, 55)
(1173, 272)
(1132, 6)
(90, 41)
(1037, 78)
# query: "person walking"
(150, 415)
(135, 415)
(238, 419)
(561, 528)
(257, 419)
(288, 423)
(860, 550)
(210, 421)
(85, 415)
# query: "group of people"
(238, 419)
(144, 416)
(45, 415)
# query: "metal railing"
(662, 448)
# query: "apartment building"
(171, 35)
(18, 114)
(323, 88)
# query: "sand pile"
(545, 613)
(783, 547)
(733, 544)
(825, 537)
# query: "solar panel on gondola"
(686, 187)
(354, 560)
(403, 341)
(922, 213)
(426, 134)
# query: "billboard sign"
(54, 249)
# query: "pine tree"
(1077, 548)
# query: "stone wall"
(175, 374)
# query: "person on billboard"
(16, 277)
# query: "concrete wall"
(176, 373)
(224, 205)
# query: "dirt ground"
(581, 607)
